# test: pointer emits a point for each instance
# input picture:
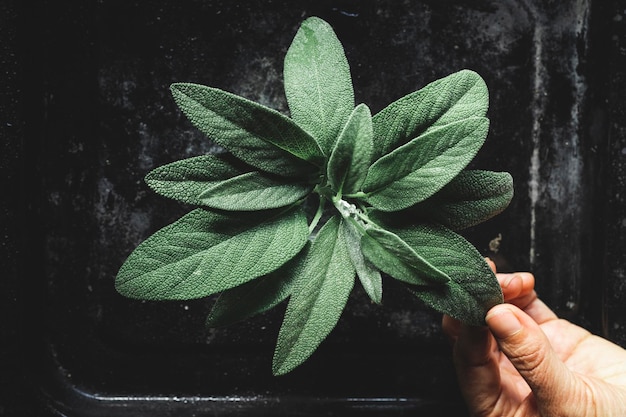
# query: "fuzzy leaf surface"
(253, 191)
(317, 301)
(473, 288)
(256, 296)
(186, 179)
(392, 255)
(417, 170)
(256, 134)
(456, 97)
(350, 158)
(206, 252)
(368, 274)
(318, 84)
(470, 198)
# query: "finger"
(517, 285)
(520, 338)
(518, 289)
(538, 310)
(477, 369)
(491, 264)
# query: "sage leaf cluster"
(298, 208)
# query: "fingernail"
(508, 281)
(510, 278)
(502, 322)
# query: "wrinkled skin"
(528, 362)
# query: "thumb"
(523, 342)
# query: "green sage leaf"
(317, 301)
(470, 198)
(256, 134)
(392, 255)
(206, 252)
(350, 158)
(253, 191)
(473, 288)
(456, 97)
(368, 274)
(318, 84)
(417, 170)
(186, 179)
(256, 296)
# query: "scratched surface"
(99, 116)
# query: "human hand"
(528, 362)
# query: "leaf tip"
(174, 87)
(280, 366)
(277, 371)
(178, 89)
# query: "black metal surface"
(87, 112)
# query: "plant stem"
(359, 194)
(318, 215)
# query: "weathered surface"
(97, 116)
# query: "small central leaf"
(368, 274)
(350, 158)
(392, 255)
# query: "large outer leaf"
(256, 134)
(253, 191)
(456, 97)
(392, 255)
(319, 298)
(350, 158)
(472, 289)
(469, 199)
(256, 296)
(318, 85)
(186, 179)
(205, 252)
(417, 170)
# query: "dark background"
(86, 112)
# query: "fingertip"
(503, 322)
(522, 341)
(511, 284)
(528, 281)
(491, 264)
(516, 285)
